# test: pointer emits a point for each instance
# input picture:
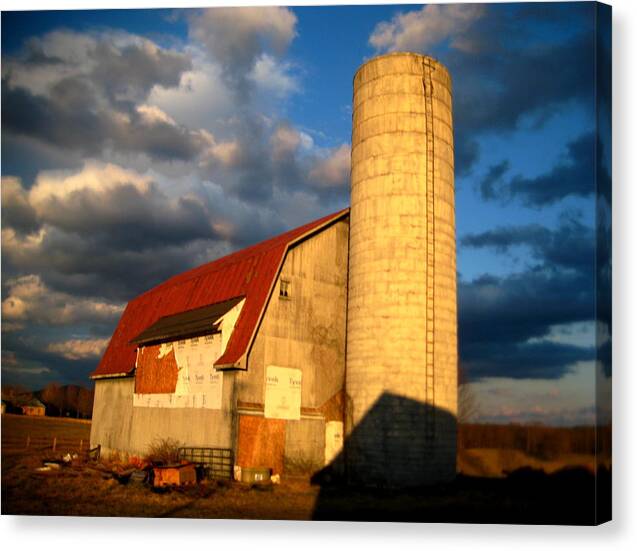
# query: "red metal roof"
(248, 273)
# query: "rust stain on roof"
(250, 273)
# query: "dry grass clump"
(163, 451)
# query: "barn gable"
(249, 273)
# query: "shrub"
(164, 451)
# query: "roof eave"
(111, 375)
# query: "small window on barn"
(181, 344)
(194, 340)
(208, 339)
(284, 289)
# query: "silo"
(401, 375)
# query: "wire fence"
(37, 443)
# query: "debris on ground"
(174, 475)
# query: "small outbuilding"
(33, 407)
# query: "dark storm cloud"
(149, 218)
(570, 246)
(89, 245)
(92, 267)
(498, 316)
(17, 212)
(466, 154)
(39, 117)
(128, 73)
(572, 176)
(32, 365)
(493, 91)
(492, 181)
(273, 161)
(503, 72)
(542, 360)
(83, 97)
(237, 37)
(106, 232)
(81, 126)
(35, 55)
(503, 320)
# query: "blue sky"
(220, 128)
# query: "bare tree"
(85, 402)
(468, 405)
(11, 392)
(53, 396)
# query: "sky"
(139, 143)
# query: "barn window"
(181, 344)
(284, 289)
(208, 339)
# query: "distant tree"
(468, 405)
(11, 392)
(53, 396)
(85, 402)
(71, 393)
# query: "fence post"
(81, 441)
(28, 441)
(55, 439)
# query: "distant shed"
(32, 407)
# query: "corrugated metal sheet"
(250, 272)
(193, 323)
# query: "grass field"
(40, 432)
(560, 491)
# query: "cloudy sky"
(137, 144)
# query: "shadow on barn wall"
(524, 496)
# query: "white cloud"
(201, 99)
(333, 170)
(236, 36)
(61, 186)
(227, 153)
(30, 301)
(151, 114)
(79, 349)
(274, 77)
(421, 29)
(285, 141)
(109, 200)
(114, 65)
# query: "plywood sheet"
(179, 374)
(156, 371)
(261, 442)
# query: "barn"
(249, 349)
(334, 344)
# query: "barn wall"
(118, 426)
(305, 331)
(189, 426)
(112, 414)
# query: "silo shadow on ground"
(573, 495)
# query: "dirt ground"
(555, 493)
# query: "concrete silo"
(401, 367)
